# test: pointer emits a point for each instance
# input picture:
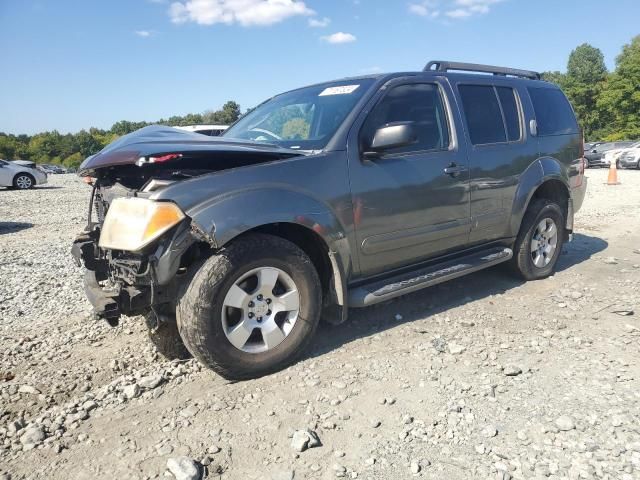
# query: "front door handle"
(455, 170)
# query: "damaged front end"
(138, 249)
(119, 282)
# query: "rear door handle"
(455, 170)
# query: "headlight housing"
(133, 223)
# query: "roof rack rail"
(445, 66)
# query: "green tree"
(586, 65)
(620, 98)
(8, 147)
(583, 83)
(229, 113)
(73, 161)
(556, 77)
(86, 144)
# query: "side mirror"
(392, 135)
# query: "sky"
(73, 64)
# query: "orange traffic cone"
(613, 174)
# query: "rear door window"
(554, 114)
(482, 110)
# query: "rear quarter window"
(554, 114)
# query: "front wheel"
(23, 181)
(539, 241)
(252, 308)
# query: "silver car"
(20, 174)
(629, 157)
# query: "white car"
(629, 157)
(210, 130)
(20, 174)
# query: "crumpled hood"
(156, 140)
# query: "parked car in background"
(596, 156)
(613, 156)
(209, 130)
(20, 174)
(337, 195)
(52, 169)
(629, 157)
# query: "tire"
(165, 337)
(524, 256)
(586, 163)
(208, 322)
(23, 181)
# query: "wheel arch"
(324, 260)
(545, 178)
(293, 215)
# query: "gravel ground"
(483, 377)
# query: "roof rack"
(445, 66)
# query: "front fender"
(225, 217)
(540, 171)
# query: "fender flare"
(223, 218)
(542, 170)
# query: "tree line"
(71, 149)
(607, 105)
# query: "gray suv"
(342, 194)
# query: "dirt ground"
(483, 377)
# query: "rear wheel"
(252, 308)
(23, 181)
(539, 241)
(586, 163)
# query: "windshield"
(304, 119)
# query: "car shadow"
(12, 227)
(581, 249)
(364, 322)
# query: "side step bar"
(383, 290)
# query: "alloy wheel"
(544, 242)
(24, 182)
(260, 309)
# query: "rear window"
(553, 112)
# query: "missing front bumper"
(110, 304)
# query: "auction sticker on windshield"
(344, 90)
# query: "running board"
(382, 290)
